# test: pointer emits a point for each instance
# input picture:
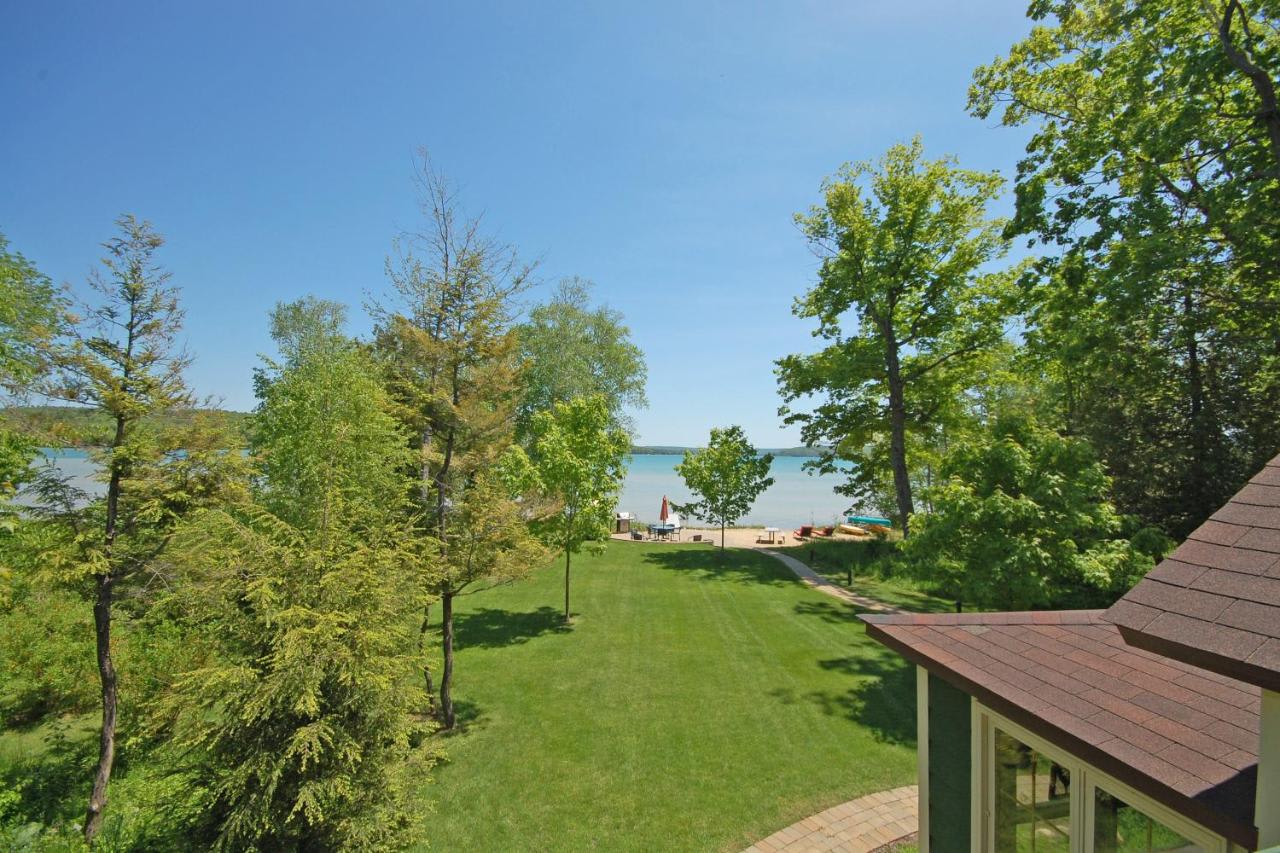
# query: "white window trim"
(1085, 779)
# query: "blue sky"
(660, 149)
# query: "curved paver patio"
(858, 826)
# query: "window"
(1032, 799)
(1120, 828)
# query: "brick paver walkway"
(858, 826)
(811, 578)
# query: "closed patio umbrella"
(665, 511)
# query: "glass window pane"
(1120, 828)
(1032, 799)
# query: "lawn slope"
(698, 702)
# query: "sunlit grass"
(698, 702)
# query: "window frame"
(1085, 778)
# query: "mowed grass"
(698, 701)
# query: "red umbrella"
(662, 515)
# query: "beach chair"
(825, 532)
(805, 531)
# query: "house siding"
(949, 768)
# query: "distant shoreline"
(666, 450)
(71, 427)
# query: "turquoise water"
(795, 498)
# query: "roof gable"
(1215, 601)
(1185, 737)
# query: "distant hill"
(70, 426)
(667, 450)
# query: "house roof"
(1186, 737)
(1215, 601)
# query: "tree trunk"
(447, 715)
(898, 435)
(1202, 493)
(106, 667)
(567, 554)
(722, 535)
(107, 675)
(428, 683)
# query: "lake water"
(795, 498)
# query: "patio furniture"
(769, 537)
(825, 532)
(661, 531)
(805, 531)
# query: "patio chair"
(805, 531)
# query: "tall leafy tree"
(903, 303)
(571, 349)
(449, 353)
(1155, 167)
(726, 477)
(1022, 520)
(578, 460)
(304, 597)
(123, 361)
(32, 317)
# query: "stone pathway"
(858, 826)
(812, 579)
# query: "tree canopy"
(578, 459)
(571, 349)
(1021, 520)
(904, 304)
(726, 477)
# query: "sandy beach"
(734, 537)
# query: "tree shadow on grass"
(492, 627)
(468, 715)
(52, 782)
(884, 701)
(733, 565)
(881, 695)
(831, 611)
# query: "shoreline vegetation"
(65, 427)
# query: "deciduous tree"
(1154, 170)
(1021, 520)
(578, 461)
(902, 301)
(571, 349)
(726, 477)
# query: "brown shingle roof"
(1186, 737)
(1215, 601)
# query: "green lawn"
(877, 572)
(699, 702)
